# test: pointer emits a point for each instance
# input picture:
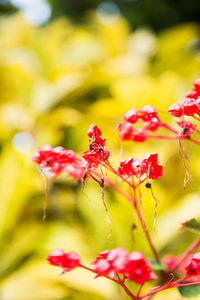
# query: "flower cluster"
(148, 166)
(150, 122)
(97, 152)
(109, 263)
(190, 105)
(66, 261)
(117, 261)
(55, 160)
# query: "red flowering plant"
(117, 264)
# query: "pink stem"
(194, 141)
(187, 253)
(141, 286)
(141, 219)
(187, 284)
(168, 128)
(163, 137)
(197, 130)
(120, 282)
(196, 118)
(169, 285)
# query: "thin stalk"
(163, 137)
(168, 128)
(169, 285)
(194, 141)
(144, 227)
(133, 201)
(196, 118)
(141, 286)
(197, 130)
(120, 282)
(187, 253)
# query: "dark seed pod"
(148, 185)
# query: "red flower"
(148, 165)
(151, 158)
(139, 135)
(77, 169)
(42, 154)
(53, 159)
(110, 263)
(188, 128)
(193, 266)
(147, 113)
(189, 106)
(66, 261)
(131, 116)
(125, 168)
(155, 172)
(151, 166)
(152, 125)
(176, 110)
(93, 131)
(125, 131)
(197, 85)
(96, 152)
(138, 269)
(192, 94)
(97, 155)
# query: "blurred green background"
(63, 66)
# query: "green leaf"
(155, 266)
(192, 225)
(189, 291)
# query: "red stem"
(196, 118)
(169, 285)
(135, 205)
(194, 141)
(192, 247)
(187, 284)
(172, 138)
(168, 128)
(163, 137)
(197, 130)
(120, 282)
(141, 286)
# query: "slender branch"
(169, 285)
(196, 118)
(197, 130)
(120, 282)
(153, 249)
(128, 292)
(187, 284)
(168, 128)
(133, 201)
(194, 141)
(163, 137)
(141, 286)
(187, 253)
